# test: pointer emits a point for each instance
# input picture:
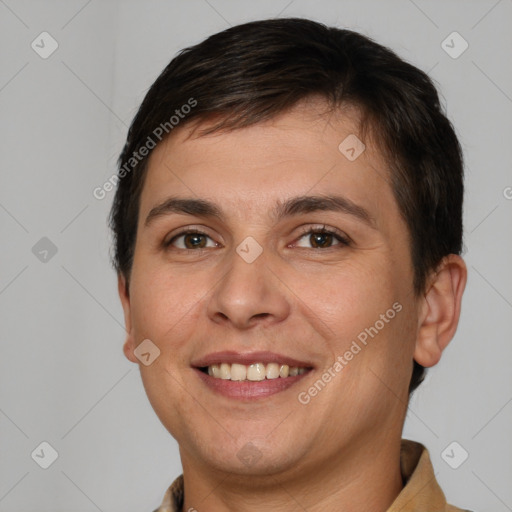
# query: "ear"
(124, 295)
(440, 310)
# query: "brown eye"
(192, 240)
(323, 238)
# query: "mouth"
(250, 376)
(254, 372)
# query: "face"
(270, 279)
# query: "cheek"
(161, 302)
(364, 307)
(351, 296)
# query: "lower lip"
(246, 389)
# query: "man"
(288, 229)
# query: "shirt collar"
(421, 491)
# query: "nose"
(249, 294)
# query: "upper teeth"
(256, 371)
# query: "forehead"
(301, 151)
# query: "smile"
(253, 372)
(250, 375)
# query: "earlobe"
(129, 344)
(440, 310)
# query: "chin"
(252, 460)
(240, 453)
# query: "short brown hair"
(253, 72)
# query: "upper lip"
(247, 358)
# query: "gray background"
(63, 376)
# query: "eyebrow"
(291, 207)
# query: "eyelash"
(343, 239)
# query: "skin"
(341, 450)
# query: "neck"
(362, 477)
